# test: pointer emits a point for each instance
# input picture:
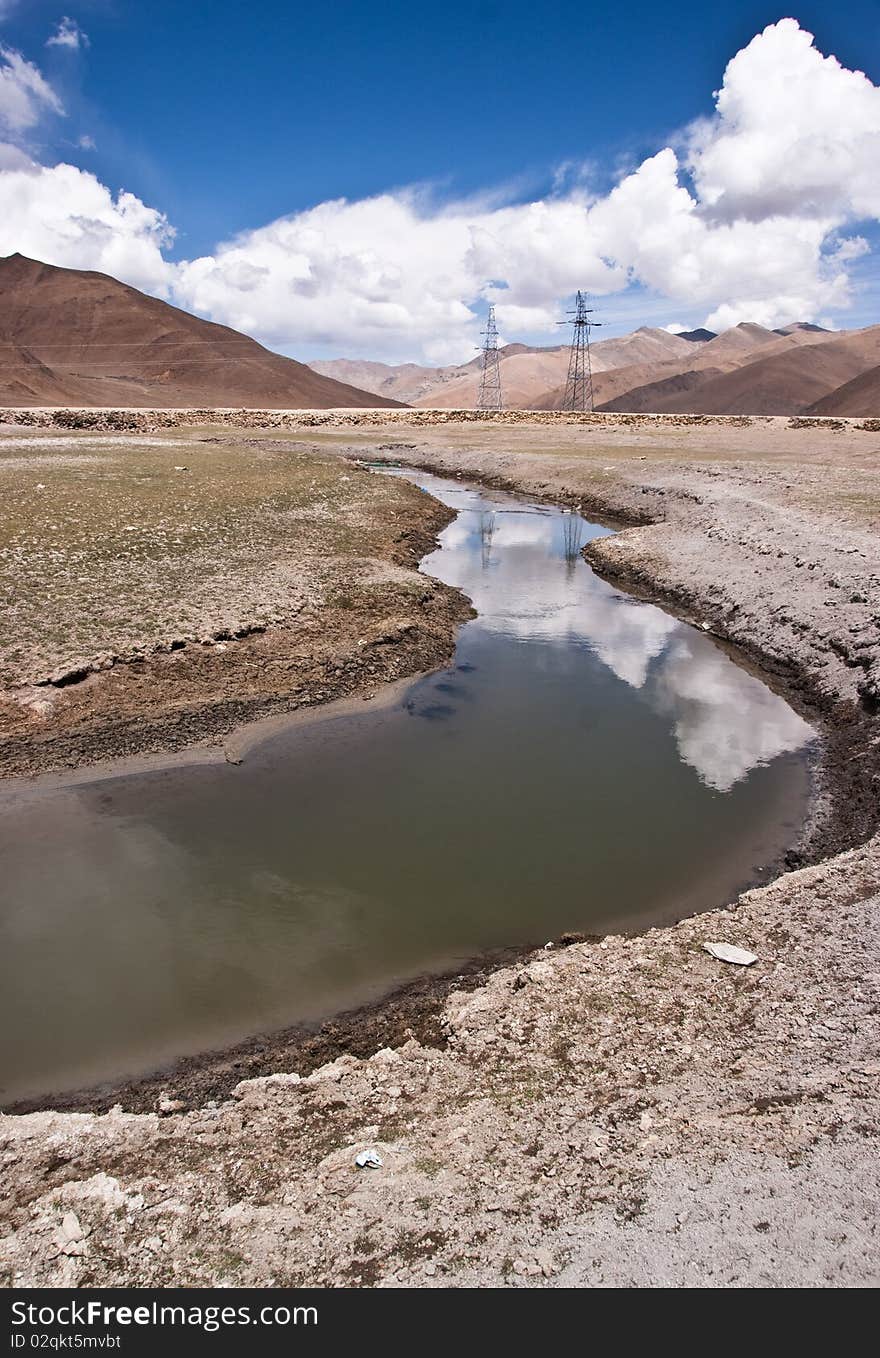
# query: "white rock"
(280, 1081)
(70, 1228)
(168, 1106)
(386, 1056)
(102, 1188)
(727, 952)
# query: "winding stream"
(587, 762)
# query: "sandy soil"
(623, 1112)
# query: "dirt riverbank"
(614, 1113)
(162, 591)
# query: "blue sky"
(226, 117)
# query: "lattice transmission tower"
(579, 383)
(489, 397)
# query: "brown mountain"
(861, 396)
(69, 337)
(405, 382)
(784, 376)
(739, 339)
(534, 377)
(528, 372)
(650, 398)
(694, 363)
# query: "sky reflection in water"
(522, 568)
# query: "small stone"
(70, 1228)
(168, 1106)
(69, 1239)
(544, 1260)
(728, 952)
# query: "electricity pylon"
(489, 397)
(579, 383)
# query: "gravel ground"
(623, 1112)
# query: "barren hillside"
(786, 376)
(69, 337)
(861, 396)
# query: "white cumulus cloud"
(754, 216)
(65, 216)
(794, 134)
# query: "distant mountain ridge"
(748, 369)
(697, 336)
(788, 377)
(528, 371)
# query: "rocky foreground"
(629, 1112)
(616, 1112)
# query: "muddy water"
(587, 762)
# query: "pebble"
(70, 1228)
(544, 1261)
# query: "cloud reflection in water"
(724, 720)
